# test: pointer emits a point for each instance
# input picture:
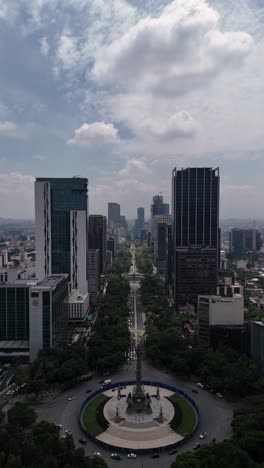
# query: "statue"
(139, 401)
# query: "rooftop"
(50, 281)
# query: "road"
(216, 414)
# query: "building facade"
(48, 313)
(97, 238)
(113, 214)
(94, 275)
(242, 241)
(195, 271)
(195, 232)
(216, 311)
(61, 206)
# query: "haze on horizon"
(116, 92)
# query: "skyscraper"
(61, 229)
(242, 241)
(195, 232)
(158, 207)
(113, 214)
(140, 221)
(97, 238)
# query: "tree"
(21, 416)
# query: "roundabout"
(171, 418)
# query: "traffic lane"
(216, 414)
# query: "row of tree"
(122, 261)
(27, 444)
(168, 344)
(245, 449)
(109, 342)
(144, 260)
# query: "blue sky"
(123, 91)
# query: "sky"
(123, 91)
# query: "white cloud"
(180, 124)
(8, 128)
(44, 46)
(16, 191)
(134, 166)
(96, 132)
(68, 55)
(39, 157)
(173, 53)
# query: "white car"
(68, 432)
(219, 395)
(203, 435)
(131, 455)
(97, 454)
(71, 398)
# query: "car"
(116, 456)
(83, 441)
(199, 385)
(203, 435)
(97, 454)
(59, 426)
(196, 446)
(89, 390)
(70, 398)
(155, 455)
(131, 455)
(219, 395)
(173, 451)
(23, 385)
(68, 432)
(63, 437)
(194, 390)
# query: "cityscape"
(131, 234)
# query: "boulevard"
(215, 414)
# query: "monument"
(139, 401)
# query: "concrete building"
(77, 305)
(242, 241)
(97, 238)
(94, 275)
(113, 214)
(195, 232)
(61, 229)
(228, 287)
(218, 311)
(257, 342)
(47, 313)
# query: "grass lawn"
(89, 417)
(185, 424)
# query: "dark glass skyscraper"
(113, 214)
(195, 232)
(97, 238)
(61, 228)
